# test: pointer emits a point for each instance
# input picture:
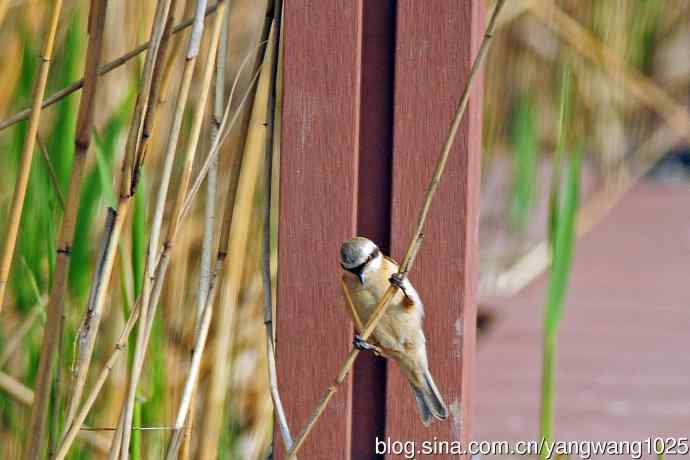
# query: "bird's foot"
(398, 281)
(363, 345)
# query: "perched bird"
(398, 335)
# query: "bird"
(367, 274)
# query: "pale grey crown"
(356, 251)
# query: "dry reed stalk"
(513, 10)
(417, 237)
(106, 68)
(51, 171)
(56, 303)
(212, 178)
(24, 395)
(170, 61)
(149, 306)
(237, 229)
(4, 6)
(17, 205)
(121, 344)
(225, 128)
(270, 150)
(15, 341)
(207, 311)
(165, 259)
(247, 99)
(353, 311)
(16, 389)
(205, 270)
(190, 383)
(643, 88)
(88, 331)
(76, 425)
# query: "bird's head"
(360, 256)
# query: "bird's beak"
(360, 275)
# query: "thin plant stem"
(238, 205)
(193, 374)
(75, 428)
(121, 344)
(86, 335)
(17, 205)
(116, 218)
(15, 341)
(213, 153)
(417, 237)
(51, 171)
(25, 395)
(104, 69)
(279, 411)
(212, 178)
(16, 389)
(52, 333)
(55, 391)
(547, 391)
(351, 306)
(206, 269)
(165, 256)
(149, 308)
(172, 58)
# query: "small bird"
(398, 335)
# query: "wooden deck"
(623, 369)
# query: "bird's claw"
(363, 345)
(398, 280)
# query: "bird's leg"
(363, 345)
(398, 280)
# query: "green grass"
(564, 200)
(523, 137)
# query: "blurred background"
(625, 67)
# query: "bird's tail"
(429, 400)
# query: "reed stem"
(19, 194)
(270, 149)
(56, 304)
(75, 426)
(238, 207)
(547, 392)
(150, 281)
(88, 331)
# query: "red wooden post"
(436, 43)
(347, 139)
(318, 185)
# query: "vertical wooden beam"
(436, 42)
(318, 185)
(373, 203)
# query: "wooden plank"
(436, 41)
(373, 202)
(318, 184)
